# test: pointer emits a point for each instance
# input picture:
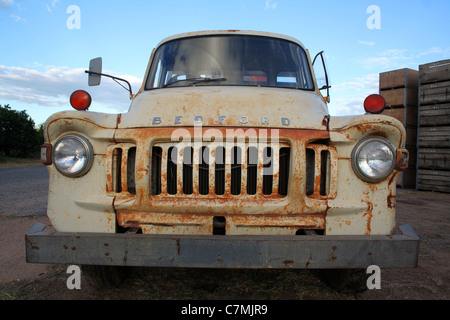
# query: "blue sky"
(42, 59)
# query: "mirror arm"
(317, 56)
(114, 78)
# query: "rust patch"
(288, 263)
(368, 213)
(333, 256)
(125, 258)
(326, 122)
(402, 159)
(392, 177)
(391, 201)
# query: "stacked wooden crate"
(434, 127)
(400, 90)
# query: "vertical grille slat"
(187, 177)
(220, 171)
(203, 171)
(252, 167)
(284, 170)
(171, 173)
(156, 170)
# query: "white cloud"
(403, 58)
(366, 43)
(389, 59)
(435, 50)
(346, 107)
(360, 84)
(347, 98)
(51, 5)
(16, 18)
(52, 87)
(270, 5)
(5, 4)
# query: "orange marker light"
(374, 103)
(80, 100)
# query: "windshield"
(230, 60)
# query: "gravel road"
(23, 191)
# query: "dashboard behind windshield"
(230, 60)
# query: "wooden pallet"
(434, 159)
(435, 115)
(402, 78)
(433, 180)
(400, 97)
(434, 137)
(435, 72)
(435, 93)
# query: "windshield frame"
(303, 62)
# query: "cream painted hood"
(226, 106)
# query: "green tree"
(18, 136)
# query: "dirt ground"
(427, 212)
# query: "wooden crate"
(435, 93)
(435, 115)
(402, 78)
(434, 158)
(400, 97)
(433, 180)
(407, 116)
(434, 72)
(434, 137)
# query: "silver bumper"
(327, 252)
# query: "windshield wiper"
(194, 80)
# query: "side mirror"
(322, 76)
(95, 74)
(95, 71)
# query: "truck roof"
(230, 32)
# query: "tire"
(346, 280)
(101, 277)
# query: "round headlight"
(373, 159)
(73, 155)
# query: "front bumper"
(309, 251)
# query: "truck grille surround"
(160, 183)
(203, 171)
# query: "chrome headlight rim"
(355, 157)
(89, 155)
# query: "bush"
(18, 136)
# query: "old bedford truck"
(226, 158)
